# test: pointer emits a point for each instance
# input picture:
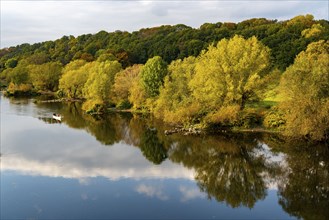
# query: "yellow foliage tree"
(314, 31)
(124, 81)
(175, 102)
(100, 82)
(228, 74)
(305, 85)
(74, 77)
(304, 19)
(137, 94)
(46, 76)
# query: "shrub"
(274, 118)
(125, 104)
(17, 90)
(227, 115)
(93, 107)
(249, 119)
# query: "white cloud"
(92, 163)
(152, 191)
(66, 157)
(189, 193)
(35, 21)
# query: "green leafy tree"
(18, 80)
(19, 74)
(285, 38)
(152, 75)
(305, 85)
(194, 47)
(46, 76)
(11, 63)
(5, 76)
(106, 56)
(87, 57)
(38, 58)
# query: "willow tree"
(305, 85)
(46, 76)
(227, 74)
(152, 75)
(175, 102)
(75, 75)
(124, 81)
(98, 86)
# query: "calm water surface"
(122, 166)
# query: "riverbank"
(58, 100)
(191, 129)
(251, 121)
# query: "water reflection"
(34, 147)
(305, 190)
(227, 168)
(153, 149)
(49, 120)
(236, 169)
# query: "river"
(122, 166)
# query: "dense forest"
(258, 73)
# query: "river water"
(122, 166)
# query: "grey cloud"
(34, 21)
(160, 9)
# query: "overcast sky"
(37, 21)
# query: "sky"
(37, 21)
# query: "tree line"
(257, 73)
(285, 39)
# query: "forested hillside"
(285, 39)
(256, 73)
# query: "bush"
(19, 90)
(226, 116)
(189, 114)
(274, 118)
(125, 104)
(93, 107)
(249, 119)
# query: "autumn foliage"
(258, 73)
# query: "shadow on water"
(237, 169)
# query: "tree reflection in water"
(304, 192)
(152, 148)
(227, 168)
(230, 168)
